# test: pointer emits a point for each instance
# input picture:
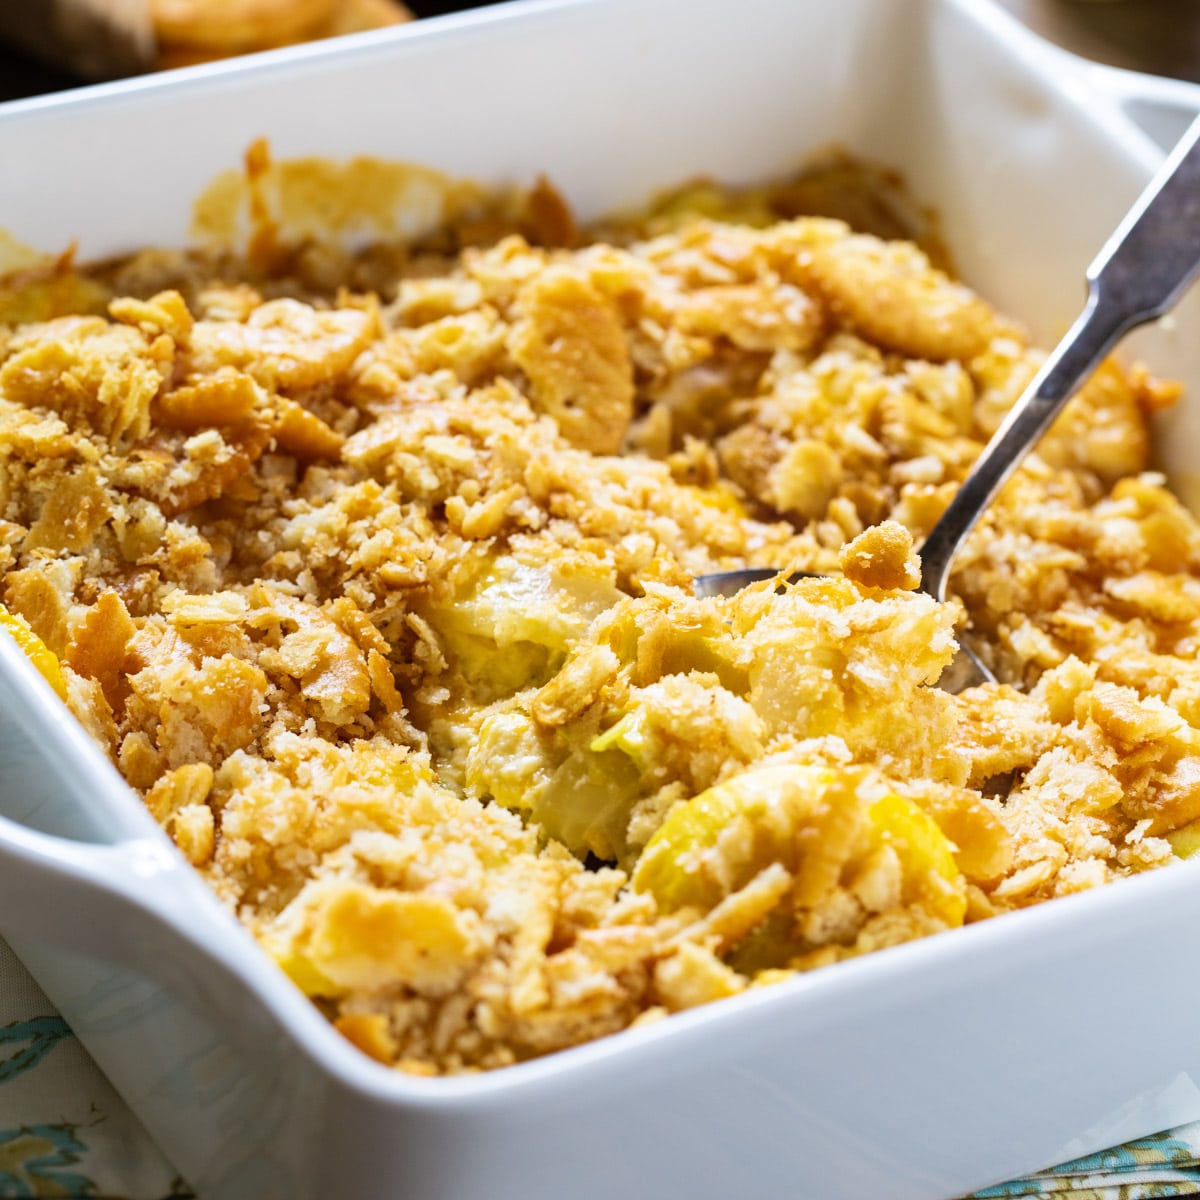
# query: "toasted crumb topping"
(375, 580)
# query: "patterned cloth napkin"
(65, 1133)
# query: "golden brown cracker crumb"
(882, 557)
(102, 648)
(369, 1032)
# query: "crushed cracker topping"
(381, 597)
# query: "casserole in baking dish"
(92, 868)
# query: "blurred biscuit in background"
(233, 26)
(194, 31)
(108, 39)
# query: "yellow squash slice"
(816, 821)
(35, 650)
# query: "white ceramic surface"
(918, 1073)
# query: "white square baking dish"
(920, 1072)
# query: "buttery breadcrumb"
(381, 596)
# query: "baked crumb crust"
(380, 595)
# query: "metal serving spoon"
(1139, 275)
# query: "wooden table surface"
(1160, 36)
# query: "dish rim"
(910, 965)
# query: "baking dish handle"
(79, 856)
(136, 951)
(85, 870)
(77, 895)
(137, 904)
(1161, 108)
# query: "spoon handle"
(1139, 274)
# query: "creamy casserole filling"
(373, 576)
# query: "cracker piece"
(572, 347)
